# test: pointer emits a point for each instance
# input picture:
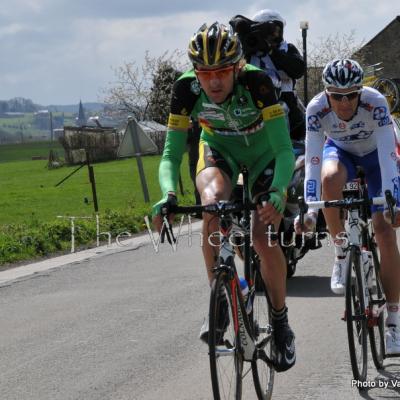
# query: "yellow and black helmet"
(215, 46)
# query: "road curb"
(56, 262)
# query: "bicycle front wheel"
(226, 359)
(356, 317)
(263, 374)
(376, 324)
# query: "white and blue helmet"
(342, 73)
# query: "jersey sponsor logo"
(393, 155)
(195, 87)
(178, 121)
(311, 188)
(315, 160)
(366, 106)
(380, 113)
(356, 125)
(237, 112)
(362, 135)
(211, 114)
(342, 125)
(272, 112)
(324, 112)
(242, 101)
(385, 121)
(313, 124)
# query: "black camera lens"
(251, 42)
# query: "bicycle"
(364, 296)
(246, 334)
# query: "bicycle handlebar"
(220, 208)
(349, 203)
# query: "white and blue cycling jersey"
(367, 140)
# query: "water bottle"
(244, 287)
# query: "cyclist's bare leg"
(390, 259)
(213, 185)
(273, 263)
(333, 178)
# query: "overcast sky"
(61, 51)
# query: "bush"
(35, 239)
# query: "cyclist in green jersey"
(242, 124)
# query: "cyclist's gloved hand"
(396, 211)
(271, 208)
(278, 200)
(310, 222)
(168, 201)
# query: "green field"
(30, 202)
(24, 126)
(28, 189)
(25, 151)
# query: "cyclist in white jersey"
(349, 125)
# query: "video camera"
(257, 36)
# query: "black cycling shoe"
(223, 322)
(285, 351)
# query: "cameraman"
(264, 47)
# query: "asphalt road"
(125, 326)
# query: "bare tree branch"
(144, 92)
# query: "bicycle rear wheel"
(263, 374)
(356, 318)
(226, 359)
(376, 325)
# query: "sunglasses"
(219, 73)
(339, 96)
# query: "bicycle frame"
(242, 323)
(224, 210)
(360, 300)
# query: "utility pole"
(304, 27)
(51, 125)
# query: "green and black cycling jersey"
(249, 128)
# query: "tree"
(161, 90)
(321, 52)
(144, 92)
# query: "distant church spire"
(81, 120)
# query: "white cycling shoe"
(339, 273)
(392, 337)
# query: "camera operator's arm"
(291, 61)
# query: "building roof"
(394, 21)
(152, 126)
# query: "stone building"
(383, 48)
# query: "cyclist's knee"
(381, 227)
(264, 242)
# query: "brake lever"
(391, 202)
(166, 227)
(167, 231)
(270, 228)
(303, 207)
